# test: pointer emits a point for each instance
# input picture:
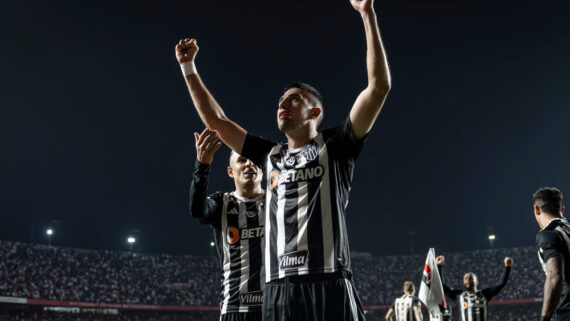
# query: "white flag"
(431, 290)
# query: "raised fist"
(362, 5)
(186, 50)
(439, 260)
(508, 262)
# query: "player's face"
(469, 281)
(244, 172)
(294, 110)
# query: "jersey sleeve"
(489, 293)
(416, 303)
(549, 244)
(449, 292)
(208, 209)
(256, 149)
(342, 142)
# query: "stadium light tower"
(491, 240)
(49, 233)
(131, 240)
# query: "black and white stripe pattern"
(473, 307)
(403, 308)
(307, 192)
(240, 242)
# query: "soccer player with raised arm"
(472, 302)
(237, 219)
(553, 242)
(307, 261)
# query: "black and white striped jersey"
(306, 198)
(472, 307)
(238, 225)
(404, 307)
(554, 240)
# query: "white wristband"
(188, 68)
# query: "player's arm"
(552, 286)
(389, 314)
(418, 313)
(489, 293)
(451, 293)
(369, 102)
(208, 108)
(201, 207)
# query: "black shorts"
(321, 297)
(241, 316)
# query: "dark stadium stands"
(138, 285)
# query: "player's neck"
(248, 192)
(301, 136)
(546, 219)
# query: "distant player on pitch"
(238, 222)
(472, 302)
(407, 307)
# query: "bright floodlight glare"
(212, 244)
(491, 237)
(49, 231)
(131, 240)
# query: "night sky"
(96, 124)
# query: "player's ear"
(562, 210)
(230, 172)
(536, 209)
(317, 111)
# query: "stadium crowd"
(379, 279)
(66, 274)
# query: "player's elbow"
(380, 89)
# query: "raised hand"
(362, 5)
(206, 145)
(508, 262)
(439, 260)
(186, 50)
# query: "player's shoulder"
(217, 196)
(548, 237)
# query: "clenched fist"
(362, 5)
(508, 262)
(186, 50)
(439, 260)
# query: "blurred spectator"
(55, 273)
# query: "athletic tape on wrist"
(188, 68)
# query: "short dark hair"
(314, 96)
(548, 199)
(409, 287)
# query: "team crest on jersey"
(293, 260)
(250, 214)
(291, 160)
(311, 153)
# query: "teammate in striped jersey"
(553, 242)
(407, 307)
(472, 302)
(237, 219)
(308, 182)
